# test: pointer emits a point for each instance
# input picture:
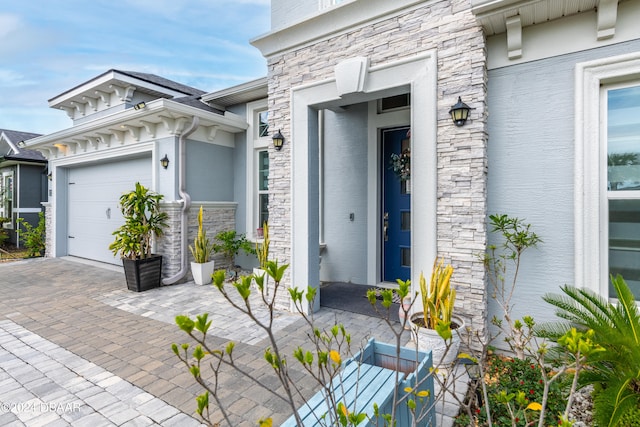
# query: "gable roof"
(13, 138)
(25, 156)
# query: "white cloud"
(8, 24)
(11, 78)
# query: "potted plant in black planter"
(133, 240)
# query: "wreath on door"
(401, 164)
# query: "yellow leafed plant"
(438, 298)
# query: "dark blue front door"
(396, 206)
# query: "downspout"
(185, 199)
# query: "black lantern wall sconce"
(278, 140)
(164, 161)
(459, 112)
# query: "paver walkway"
(77, 348)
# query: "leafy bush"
(4, 235)
(33, 237)
(143, 221)
(230, 243)
(511, 376)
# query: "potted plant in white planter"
(202, 266)
(133, 240)
(433, 328)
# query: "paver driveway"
(77, 348)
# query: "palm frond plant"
(615, 371)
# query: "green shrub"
(32, 237)
(230, 243)
(513, 375)
(4, 234)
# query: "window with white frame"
(258, 139)
(263, 187)
(6, 197)
(621, 104)
(607, 168)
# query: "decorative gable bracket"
(607, 17)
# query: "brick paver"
(86, 351)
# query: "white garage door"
(93, 209)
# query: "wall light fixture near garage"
(164, 161)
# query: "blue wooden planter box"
(375, 384)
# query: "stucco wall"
(286, 12)
(345, 183)
(210, 172)
(531, 165)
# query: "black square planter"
(143, 274)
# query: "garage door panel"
(93, 209)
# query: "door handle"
(385, 226)
(108, 212)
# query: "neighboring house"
(23, 181)
(124, 124)
(564, 138)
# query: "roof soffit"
(511, 16)
(131, 126)
(240, 94)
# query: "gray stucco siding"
(531, 166)
(209, 172)
(345, 192)
(285, 12)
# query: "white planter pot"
(202, 272)
(428, 339)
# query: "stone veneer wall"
(48, 224)
(169, 244)
(216, 217)
(451, 29)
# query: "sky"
(50, 46)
